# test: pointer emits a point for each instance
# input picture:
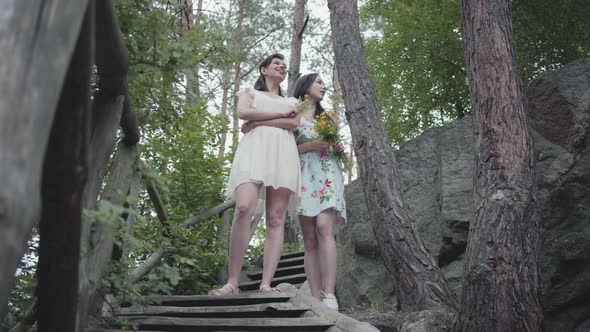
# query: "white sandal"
(227, 289)
(268, 289)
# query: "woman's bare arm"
(317, 145)
(284, 123)
(246, 110)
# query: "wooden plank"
(224, 300)
(36, 43)
(90, 329)
(280, 309)
(177, 324)
(64, 178)
(290, 262)
(282, 272)
(292, 279)
(293, 254)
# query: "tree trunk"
(65, 171)
(291, 230)
(109, 104)
(224, 103)
(296, 43)
(501, 290)
(131, 218)
(226, 216)
(226, 83)
(199, 12)
(36, 43)
(419, 282)
(106, 111)
(104, 235)
(237, 70)
(337, 96)
(188, 23)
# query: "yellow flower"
(328, 131)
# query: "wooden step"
(177, 324)
(293, 254)
(210, 300)
(278, 309)
(91, 329)
(285, 271)
(292, 279)
(290, 262)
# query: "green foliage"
(417, 64)
(415, 53)
(21, 297)
(180, 137)
(255, 251)
(549, 34)
(256, 248)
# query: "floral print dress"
(322, 183)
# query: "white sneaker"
(329, 300)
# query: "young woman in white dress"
(266, 167)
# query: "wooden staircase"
(290, 270)
(249, 311)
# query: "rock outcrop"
(436, 171)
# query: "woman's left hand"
(339, 147)
(247, 127)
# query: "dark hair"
(302, 86)
(260, 84)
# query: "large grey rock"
(419, 321)
(559, 110)
(342, 323)
(436, 173)
(362, 277)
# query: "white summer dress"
(267, 155)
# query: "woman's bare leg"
(327, 249)
(246, 199)
(277, 201)
(311, 259)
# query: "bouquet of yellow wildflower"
(328, 131)
(302, 104)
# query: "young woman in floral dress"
(322, 192)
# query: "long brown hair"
(260, 84)
(302, 86)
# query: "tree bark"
(129, 122)
(226, 216)
(225, 85)
(131, 218)
(109, 103)
(337, 96)
(237, 70)
(299, 22)
(65, 171)
(36, 43)
(296, 43)
(106, 111)
(224, 103)
(188, 23)
(104, 234)
(501, 291)
(419, 282)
